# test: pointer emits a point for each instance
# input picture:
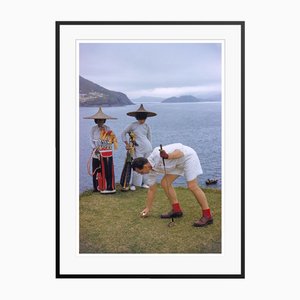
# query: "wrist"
(166, 156)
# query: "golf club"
(172, 223)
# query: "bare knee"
(164, 183)
(193, 185)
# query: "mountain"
(185, 98)
(92, 94)
(145, 99)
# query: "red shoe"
(204, 222)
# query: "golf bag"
(105, 174)
(126, 173)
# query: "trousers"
(139, 179)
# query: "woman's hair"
(96, 120)
(138, 163)
(141, 116)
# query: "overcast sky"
(153, 69)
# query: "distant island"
(186, 98)
(92, 94)
(189, 98)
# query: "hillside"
(92, 94)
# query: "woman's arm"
(124, 132)
(149, 135)
(91, 138)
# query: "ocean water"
(197, 125)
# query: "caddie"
(143, 146)
(173, 161)
(102, 140)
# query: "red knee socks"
(206, 213)
(176, 207)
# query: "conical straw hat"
(100, 115)
(141, 110)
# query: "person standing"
(174, 161)
(102, 139)
(143, 146)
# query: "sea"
(197, 125)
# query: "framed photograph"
(150, 149)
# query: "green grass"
(112, 224)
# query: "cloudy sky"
(153, 69)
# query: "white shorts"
(192, 166)
(189, 167)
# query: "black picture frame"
(58, 216)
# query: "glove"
(164, 154)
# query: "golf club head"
(171, 224)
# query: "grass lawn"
(112, 224)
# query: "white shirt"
(143, 136)
(188, 165)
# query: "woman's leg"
(145, 176)
(136, 177)
(95, 165)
